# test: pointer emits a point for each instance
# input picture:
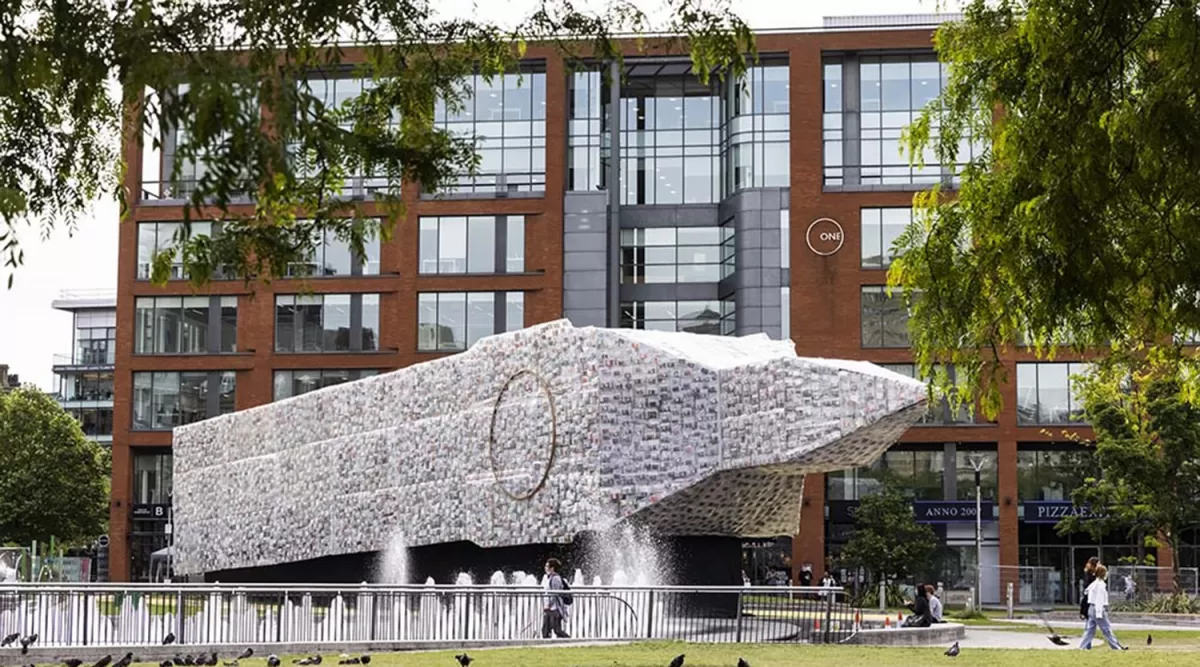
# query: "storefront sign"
(842, 511)
(950, 511)
(1053, 511)
(152, 512)
(825, 236)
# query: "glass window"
(155, 238)
(884, 318)
(756, 129)
(1046, 395)
(88, 386)
(152, 479)
(180, 325)
(164, 400)
(965, 484)
(670, 124)
(918, 473)
(584, 129)
(672, 255)
(785, 314)
(454, 321)
(940, 410)
(893, 91)
(469, 244)
(785, 239)
(880, 229)
(702, 317)
(506, 115)
(1052, 474)
(95, 338)
(291, 383)
(327, 323)
(332, 257)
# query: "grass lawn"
(774, 655)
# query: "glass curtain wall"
(756, 129)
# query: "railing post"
(179, 610)
(86, 618)
(650, 615)
(1010, 600)
(828, 614)
(738, 635)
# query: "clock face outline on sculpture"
(543, 388)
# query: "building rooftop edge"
(85, 298)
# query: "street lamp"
(977, 462)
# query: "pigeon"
(189, 660)
(125, 661)
(743, 663)
(7, 641)
(178, 660)
(169, 639)
(26, 642)
(311, 660)
(677, 662)
(73, 662)
(1149, 639)
(1054, 637)
(953, 650)
(349, 661)
(246, 654)
(103, 662)
(272, 660)
(365, 659)
(1057, 640)
(165, 663)
(464, 659)
(231, 663)
(212, 660)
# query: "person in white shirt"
(1097, 617)
(935, 605)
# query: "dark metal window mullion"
(356, 318)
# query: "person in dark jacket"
(1089, 575)
(920, 617)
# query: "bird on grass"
(310, 660)
(103, 662)
(245, 654)
(26, 642)
(953, 651)
(169, 639)
(73, 662)
(272, 660)
(7, 641)
(742, 663)
(1149, 639)
(360, 660)
(677, 662)
(124, 661)
(1057, 640)
(166, 663)
(464, 659)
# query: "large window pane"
(481, 245)
(452, 321)
(427, 321)
(194, 326)
(481, 308)
(370, 322)
(228, 324)
(514, 248)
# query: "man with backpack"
(557, 601)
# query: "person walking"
(1088, 577)
(555, 611)
(1097, 594)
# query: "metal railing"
(142, 615)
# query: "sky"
(31, 332)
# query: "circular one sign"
(528, 468)
(103, 541)
(825, 236)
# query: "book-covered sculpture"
(533, 437)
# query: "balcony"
(85, 360)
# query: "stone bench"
(936, 634)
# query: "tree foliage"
(53, 480)
(888, 542)
(209, 67)
(1147, 447)
(1079, 220)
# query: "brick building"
(700, 207)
